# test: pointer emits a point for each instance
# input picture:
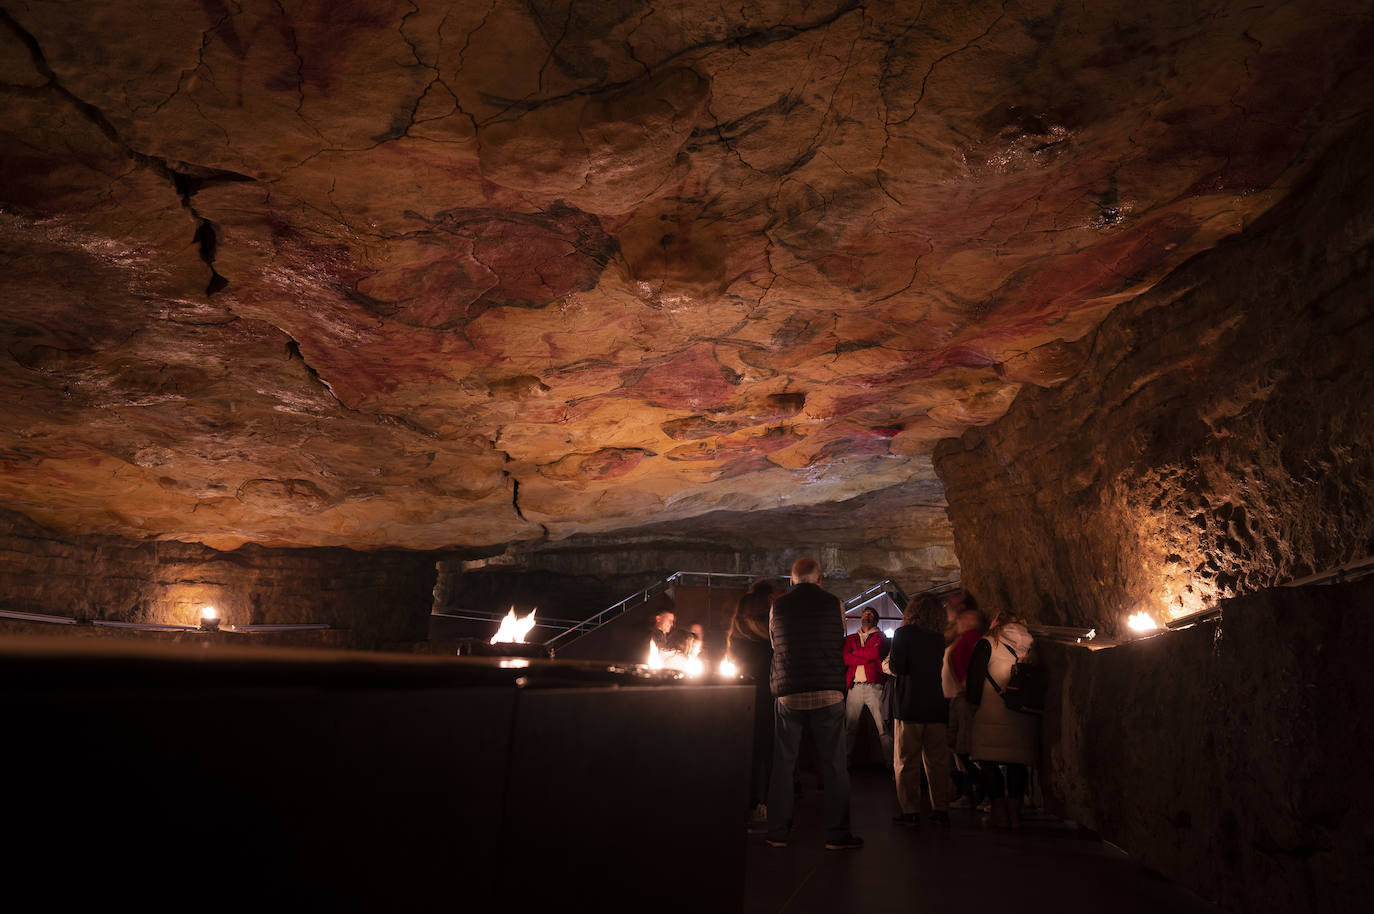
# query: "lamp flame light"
(1140, 622)
(513, 629)
(727, 668)
(209, 619)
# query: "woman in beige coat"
(1001, 736)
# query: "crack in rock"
(185, 179)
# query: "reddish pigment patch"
(694, 428)
(858, 402)
(1063, 284)
(933, 363)
(850, 447)
(737, 468)
(606, 463)
(487, 259)
(739, 446)
(325, 37)
(845, 270)
(692, 379)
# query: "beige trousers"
(912, 744)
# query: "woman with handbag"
(1000, 735)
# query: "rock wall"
(378, 597)
(1218, 440)
(899, 533)
(1228, 755)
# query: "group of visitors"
(676, 647)
(942, 693)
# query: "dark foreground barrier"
(232, 779)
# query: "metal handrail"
(1350, 571)
(1071, 634)
(36, 617)
(475, 616)
(591, 623)
(891, 587)
(615, 610)
(860, 600)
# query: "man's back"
(807, 630)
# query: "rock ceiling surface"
(428, 274)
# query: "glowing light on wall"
(1140, 622)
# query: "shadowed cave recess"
(342, 314)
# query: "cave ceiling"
(424, 274)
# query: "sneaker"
(940, 818)
(775, 842)
(847, 843)
(906, 818)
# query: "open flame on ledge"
(513, 630)
(1141, 622)
(674, 660)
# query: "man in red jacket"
(863, 659)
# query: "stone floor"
(1048, 866)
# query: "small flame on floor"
(727, 668)
(655, 662)
(513, 630)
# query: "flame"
(727, 668)
(207, 613)
(513, 630)
(1141, 622)
(674, 660)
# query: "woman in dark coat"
(921, 716)
(749, 647)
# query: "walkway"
(1046, 867)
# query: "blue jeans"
(827, 729)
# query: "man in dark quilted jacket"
(806, 626)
